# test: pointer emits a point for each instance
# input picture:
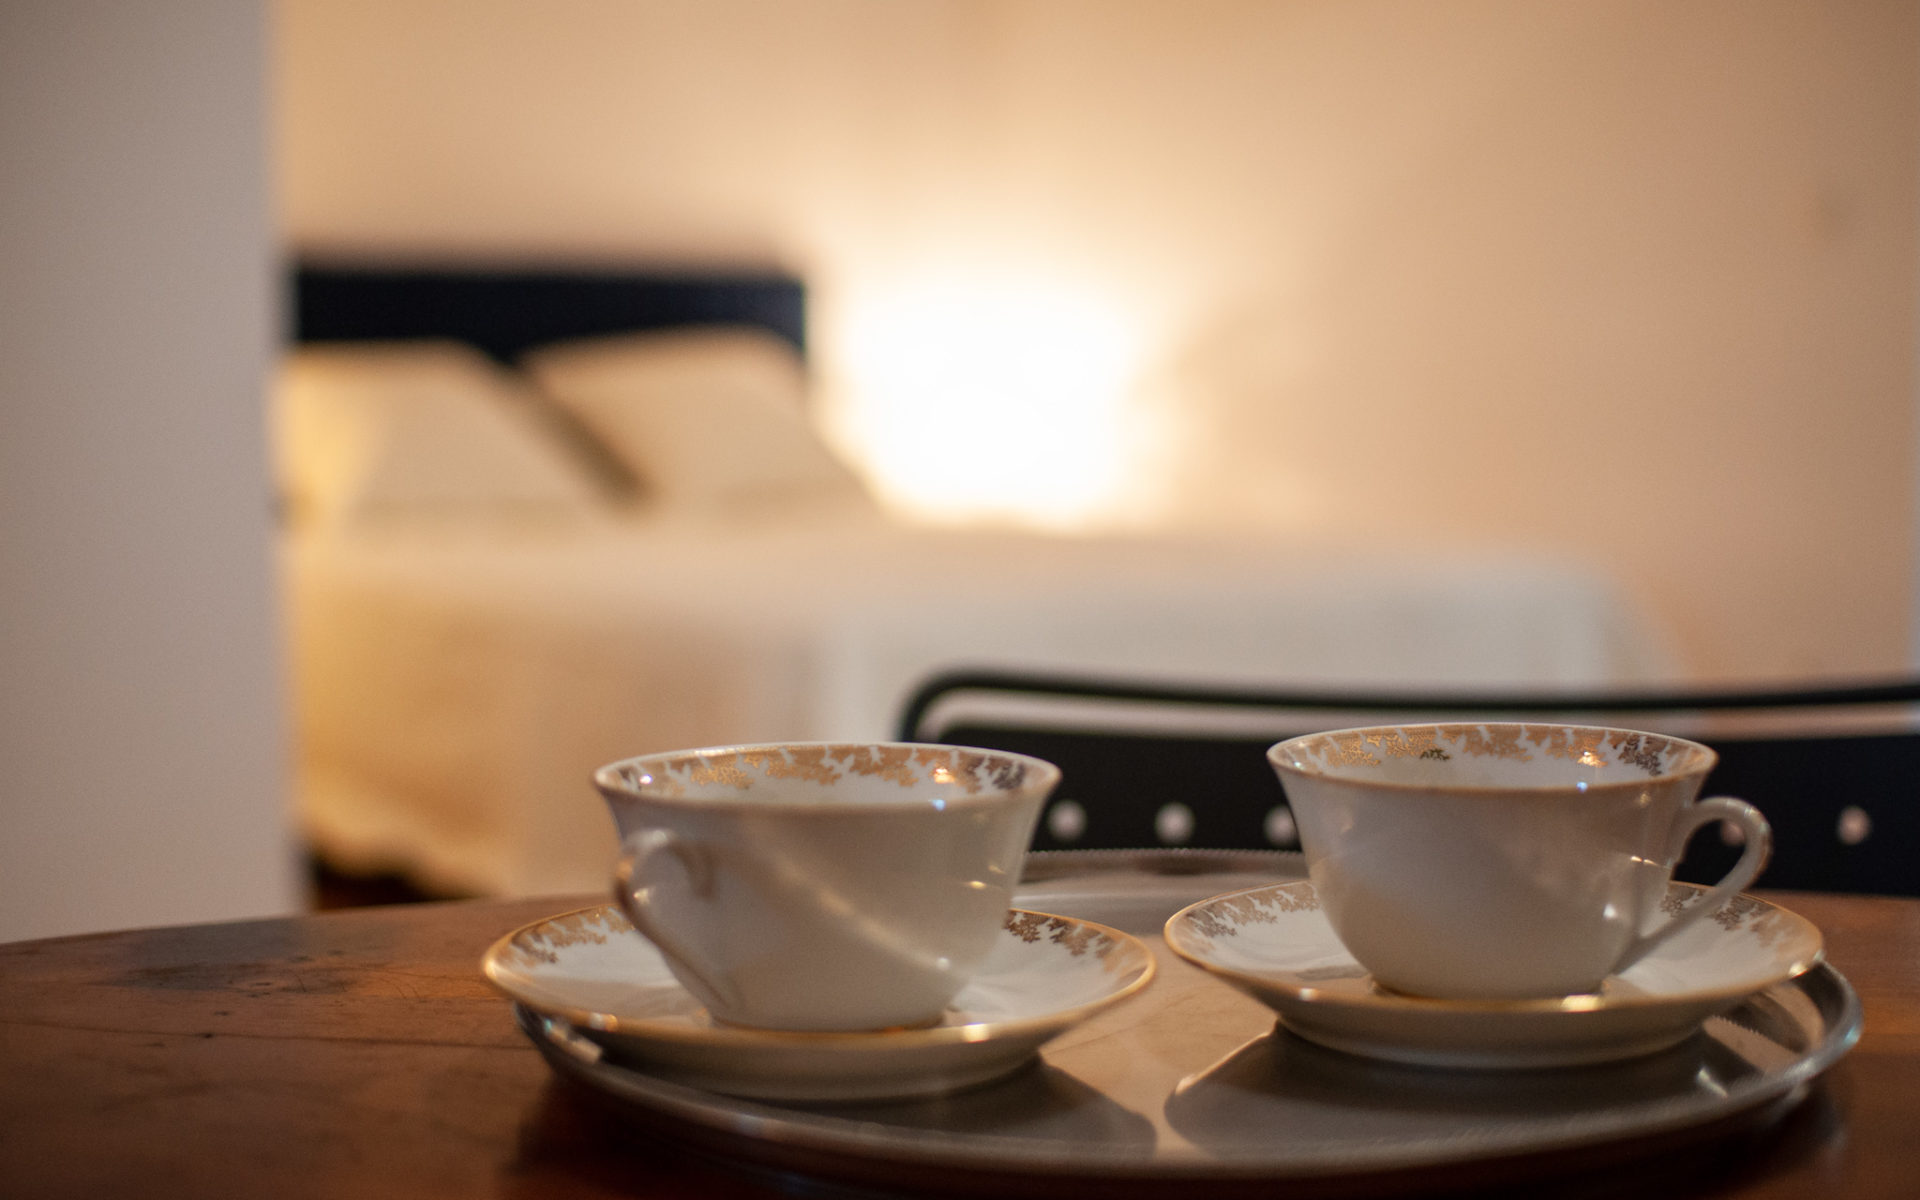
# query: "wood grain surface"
(360, 1054)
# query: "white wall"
(141, 723)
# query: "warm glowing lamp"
(992, 400)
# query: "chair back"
(1835, 769)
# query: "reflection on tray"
(1041, 1103)
(1330, 1097)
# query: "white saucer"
(1275, 944)
(592, 971)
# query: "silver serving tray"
(1192, 1082)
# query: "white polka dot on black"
(1066, 820)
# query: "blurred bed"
(536, 521)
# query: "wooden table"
(359, 1054)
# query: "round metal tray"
(1192, 1082)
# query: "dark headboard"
(507, 311)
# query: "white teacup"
(823, 886)
(1504, 861)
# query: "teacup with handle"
(1505, 860)
(823, 886)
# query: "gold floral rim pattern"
(1589, 746)
(1743, 911)
(1077, 938)
(907, 766)
(541, 944)
(1225, 916)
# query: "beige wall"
(141, 726)
(1629, 282)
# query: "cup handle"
(1759, 844)
(635, 898)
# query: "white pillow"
(379, 431)
(709, 419)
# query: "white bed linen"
(456, 688)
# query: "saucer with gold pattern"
(1275, 944)
(590, 970)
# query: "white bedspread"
(456, 690)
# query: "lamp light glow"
(993, 400)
